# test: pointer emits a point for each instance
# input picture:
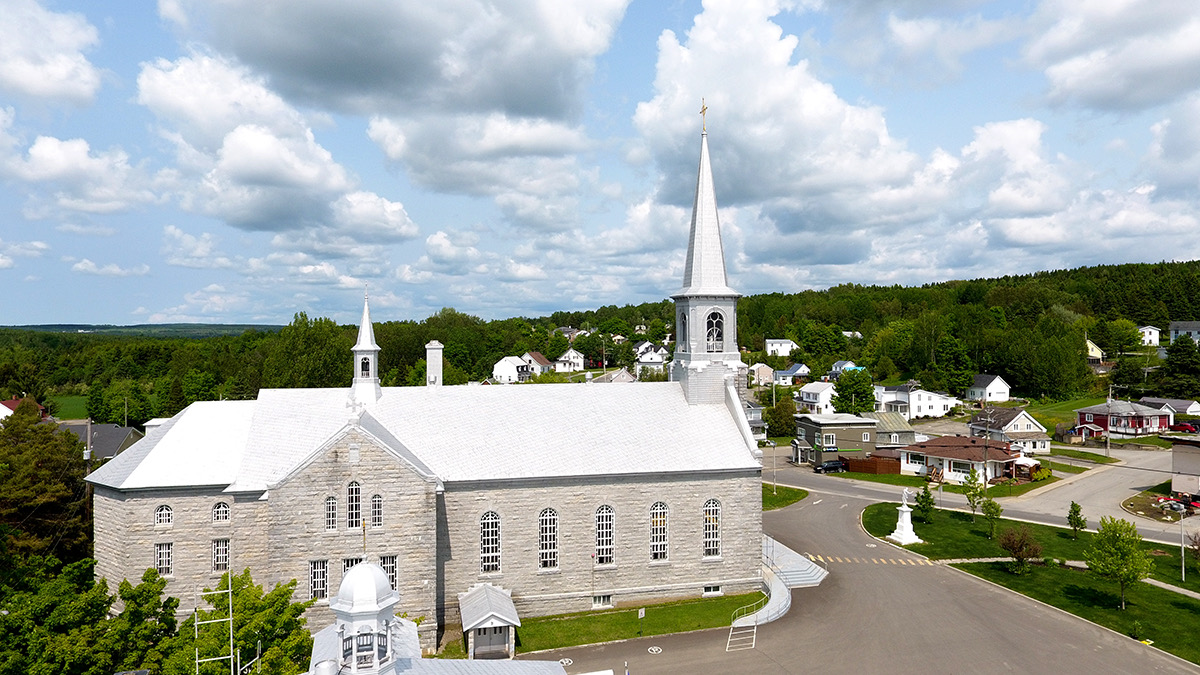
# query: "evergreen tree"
(1076, 520)
(854, 392)
(925, 506)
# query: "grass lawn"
(71, 407)
(1169, 619)
(1098, 458)
(1050, 414)
(1064, 468)
(568, 630)
(917, 482)
(777, 497)
(1144, 503)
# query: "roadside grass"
(569, 630)
(1144, 503)
(1050, 414)
(953, 535)
(71, 407)
(1064, 468)
(918, 482)
(777, 497)
(1082, 454)
(1169, 619)
(1142, 440)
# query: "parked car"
(1183, 426)
(831, 466)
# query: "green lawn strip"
(70, 407)
(917, 482)
(1050, 414)
(777, 497)
(1082, 454)
(953, 535)
(1064, 468)
(569, 630)
(1169, 619)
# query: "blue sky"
(243, 160)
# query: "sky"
(238, 161)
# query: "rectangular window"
(866, 437)
(162, 558)
(318, 579)
(916, 458)
(601, 601)
(830, 441)
(377, 511)
(330, 514)
(1087, 417)
(347, 563)
(354, 506)
(712, 590)
(220, 555)
(388, 563)
(960, 467)
(604, 535)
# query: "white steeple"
(706, 350)
(365, 387)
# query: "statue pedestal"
(904, 534)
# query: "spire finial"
(703, 115)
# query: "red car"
(1183, 426)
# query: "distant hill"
(162, 330)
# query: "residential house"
(1150, 336)
(1095, 355)
(787, 378)
(107, 439)
(817, 397)
(652, 360)
(1123, 419)
(852, 335)
(891, 430)
(988, 388)
(570, 362)
(619, 339)
(911, 401)
(1014, 426)
(754, 417)
(780, 346)
(1176, 405)
(956, 456)
(839, 366)
(1188, 328)
(762, 374)
(509, 370)
(10, 406)
(538, 364)
(835, 434)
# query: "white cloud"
(90, 230)
(86, 266)
(185, 250)
(1174, 155)
(24, 249)
(41, 53)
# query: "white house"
(1012, 425)
(956, 456)
(538, 364)
(1150, 336)
(510, 369)
(817, 397)
(787, 378)
(1188, 328)
(780, 346)
(988, 388)
(651, 360)
(762, 373)
(570, 362)
(1176, 405)
(911, 401)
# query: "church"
(558, 497)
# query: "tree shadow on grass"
(1092, 597)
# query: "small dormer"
(366, 360)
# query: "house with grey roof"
(1124, 419)
(988, 388)
(1188, 328)
(891, 430)
(1011, 425)
(1177, 406)
(620, 495)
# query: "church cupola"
(366, 360)
(706, 349)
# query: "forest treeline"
(1030, 329)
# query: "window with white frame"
(163, 515)
(866, 437)
(353, 505)
(604, 535)
(960, 467)
(712, 590)
(658, 531)
(895, 438)
(388, 563)
(829, 441)
(715, 332)
(916, 458)
(331, 513)
(220, 512)
(548, 539)
(712, 528)
(347, 563)
(600, 601)
(376, 510)
(163, 558)
(489, 542)
(220, 555)
(1087, 417)
(318, 579)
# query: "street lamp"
(989, 413)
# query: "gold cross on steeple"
(703, 115)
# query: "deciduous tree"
(1076, 519)
(854, 392)
(1116, 554)
(991, 511)
(973, 490)
(925, 506)
(1020, 544)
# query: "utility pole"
(1108, 421)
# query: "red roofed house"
(955, 456)
(10, 406)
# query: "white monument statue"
(904, 534)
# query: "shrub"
(1020, 544)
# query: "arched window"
(376, 510)
(712, 528)
(604, 535)
(715, 335)
(163, 515)
(489, 542)
(366, 367)
(658, 531)
(548, 539)
(682, 342)
(221, 512)
(330, 513)
(353, 505)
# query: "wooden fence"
(875, 465)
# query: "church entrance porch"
(489, 619)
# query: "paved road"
(892, 615)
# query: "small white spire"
(365, 388)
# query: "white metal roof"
(487, 606)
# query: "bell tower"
(365, 387)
